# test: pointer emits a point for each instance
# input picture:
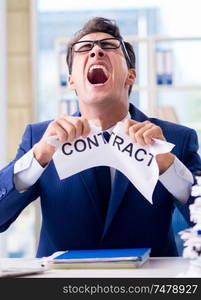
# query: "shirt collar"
(128, 116)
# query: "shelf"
(178, 87)
(166, 87)
(148, 70)
(196, 125)
(160, 39)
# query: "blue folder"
(135, 254)
(101, 258)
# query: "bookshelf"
(152, 96)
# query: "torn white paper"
(136, 162)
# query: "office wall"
(3, 111)
(19, 74)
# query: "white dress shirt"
(177, 179)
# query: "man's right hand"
(66, 128)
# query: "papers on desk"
(99, 259)
(20, 268)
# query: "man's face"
(100, 75)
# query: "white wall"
(3, 103)
(3, 78)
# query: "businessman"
(99, 207)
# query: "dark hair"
(99, 24)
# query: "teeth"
(99, 67)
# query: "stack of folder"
(99, 258)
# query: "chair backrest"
(178, 224)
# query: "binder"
(100, 258)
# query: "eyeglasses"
(85, 46)
(108, 43)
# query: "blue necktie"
(106, 136)
(103, 179)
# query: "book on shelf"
(99, 258)
(164, 66)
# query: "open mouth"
(97, 74)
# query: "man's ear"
(131, 77)
(71, 83)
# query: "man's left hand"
(143, 133)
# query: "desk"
(160, 267)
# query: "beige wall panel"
(18, 4)
(18, 32)
(19, 84)
(18, 118)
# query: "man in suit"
(76, 214)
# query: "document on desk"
(99, 259)
(21, 267)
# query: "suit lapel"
(88, 179)
(119, 188)
(136, 114)
(121, 182)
